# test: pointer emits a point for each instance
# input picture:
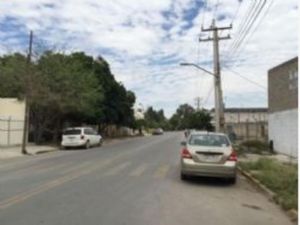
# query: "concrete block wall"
(11, 121)
(283, 130)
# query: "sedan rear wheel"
(232, 180)
(87, 144)
(183, 176)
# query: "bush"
(282, 179)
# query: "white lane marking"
(139, 170)
(161, 171)
(117, 169)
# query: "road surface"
(134, 181)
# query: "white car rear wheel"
(87, 144)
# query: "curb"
(45, 151)
(258, 184)
(292, 213)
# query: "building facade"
(283, 107)
(246, 123)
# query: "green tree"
(200, 120)
(118, 102)
(68, 89)
(68, 92)
(155, 119)
(180, 120)
(12, 72)
(186, 117)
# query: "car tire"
(183, 176)
(232, 180)
(87, 144)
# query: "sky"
(144, 41)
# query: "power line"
(242, 23)
(256, 27)
(197, 71)
(249, 27)
(245, 78)
(204, 8)
(208, 95)
(216, 8)
(233, 18)
(236, 11)
(243, 27)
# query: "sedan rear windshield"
(72, 132)
(209, 140)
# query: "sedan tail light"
(233, 156)
(186, 154)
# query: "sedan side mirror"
(183, 143)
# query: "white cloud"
(133, 36)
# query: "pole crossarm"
(206, 39)
(224, 38)
(211, 39)
(212, 28)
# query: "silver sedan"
(208, 154)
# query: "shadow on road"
(208, 181)
(76, 149)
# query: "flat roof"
(257, 109)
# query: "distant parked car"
(208, 154)
(158, 131)
(80, 137)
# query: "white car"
(80, 137)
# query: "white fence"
(11, 131)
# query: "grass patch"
(253, 146)
(282, 179)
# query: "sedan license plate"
(211, 158)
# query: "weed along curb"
(293, 214)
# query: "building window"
(293, 79)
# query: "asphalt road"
(134, 182)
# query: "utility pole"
(219, 105)
(27, 96)
(198, 102)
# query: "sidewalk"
(32, 149)
(276, 176)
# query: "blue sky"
(144, 42)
